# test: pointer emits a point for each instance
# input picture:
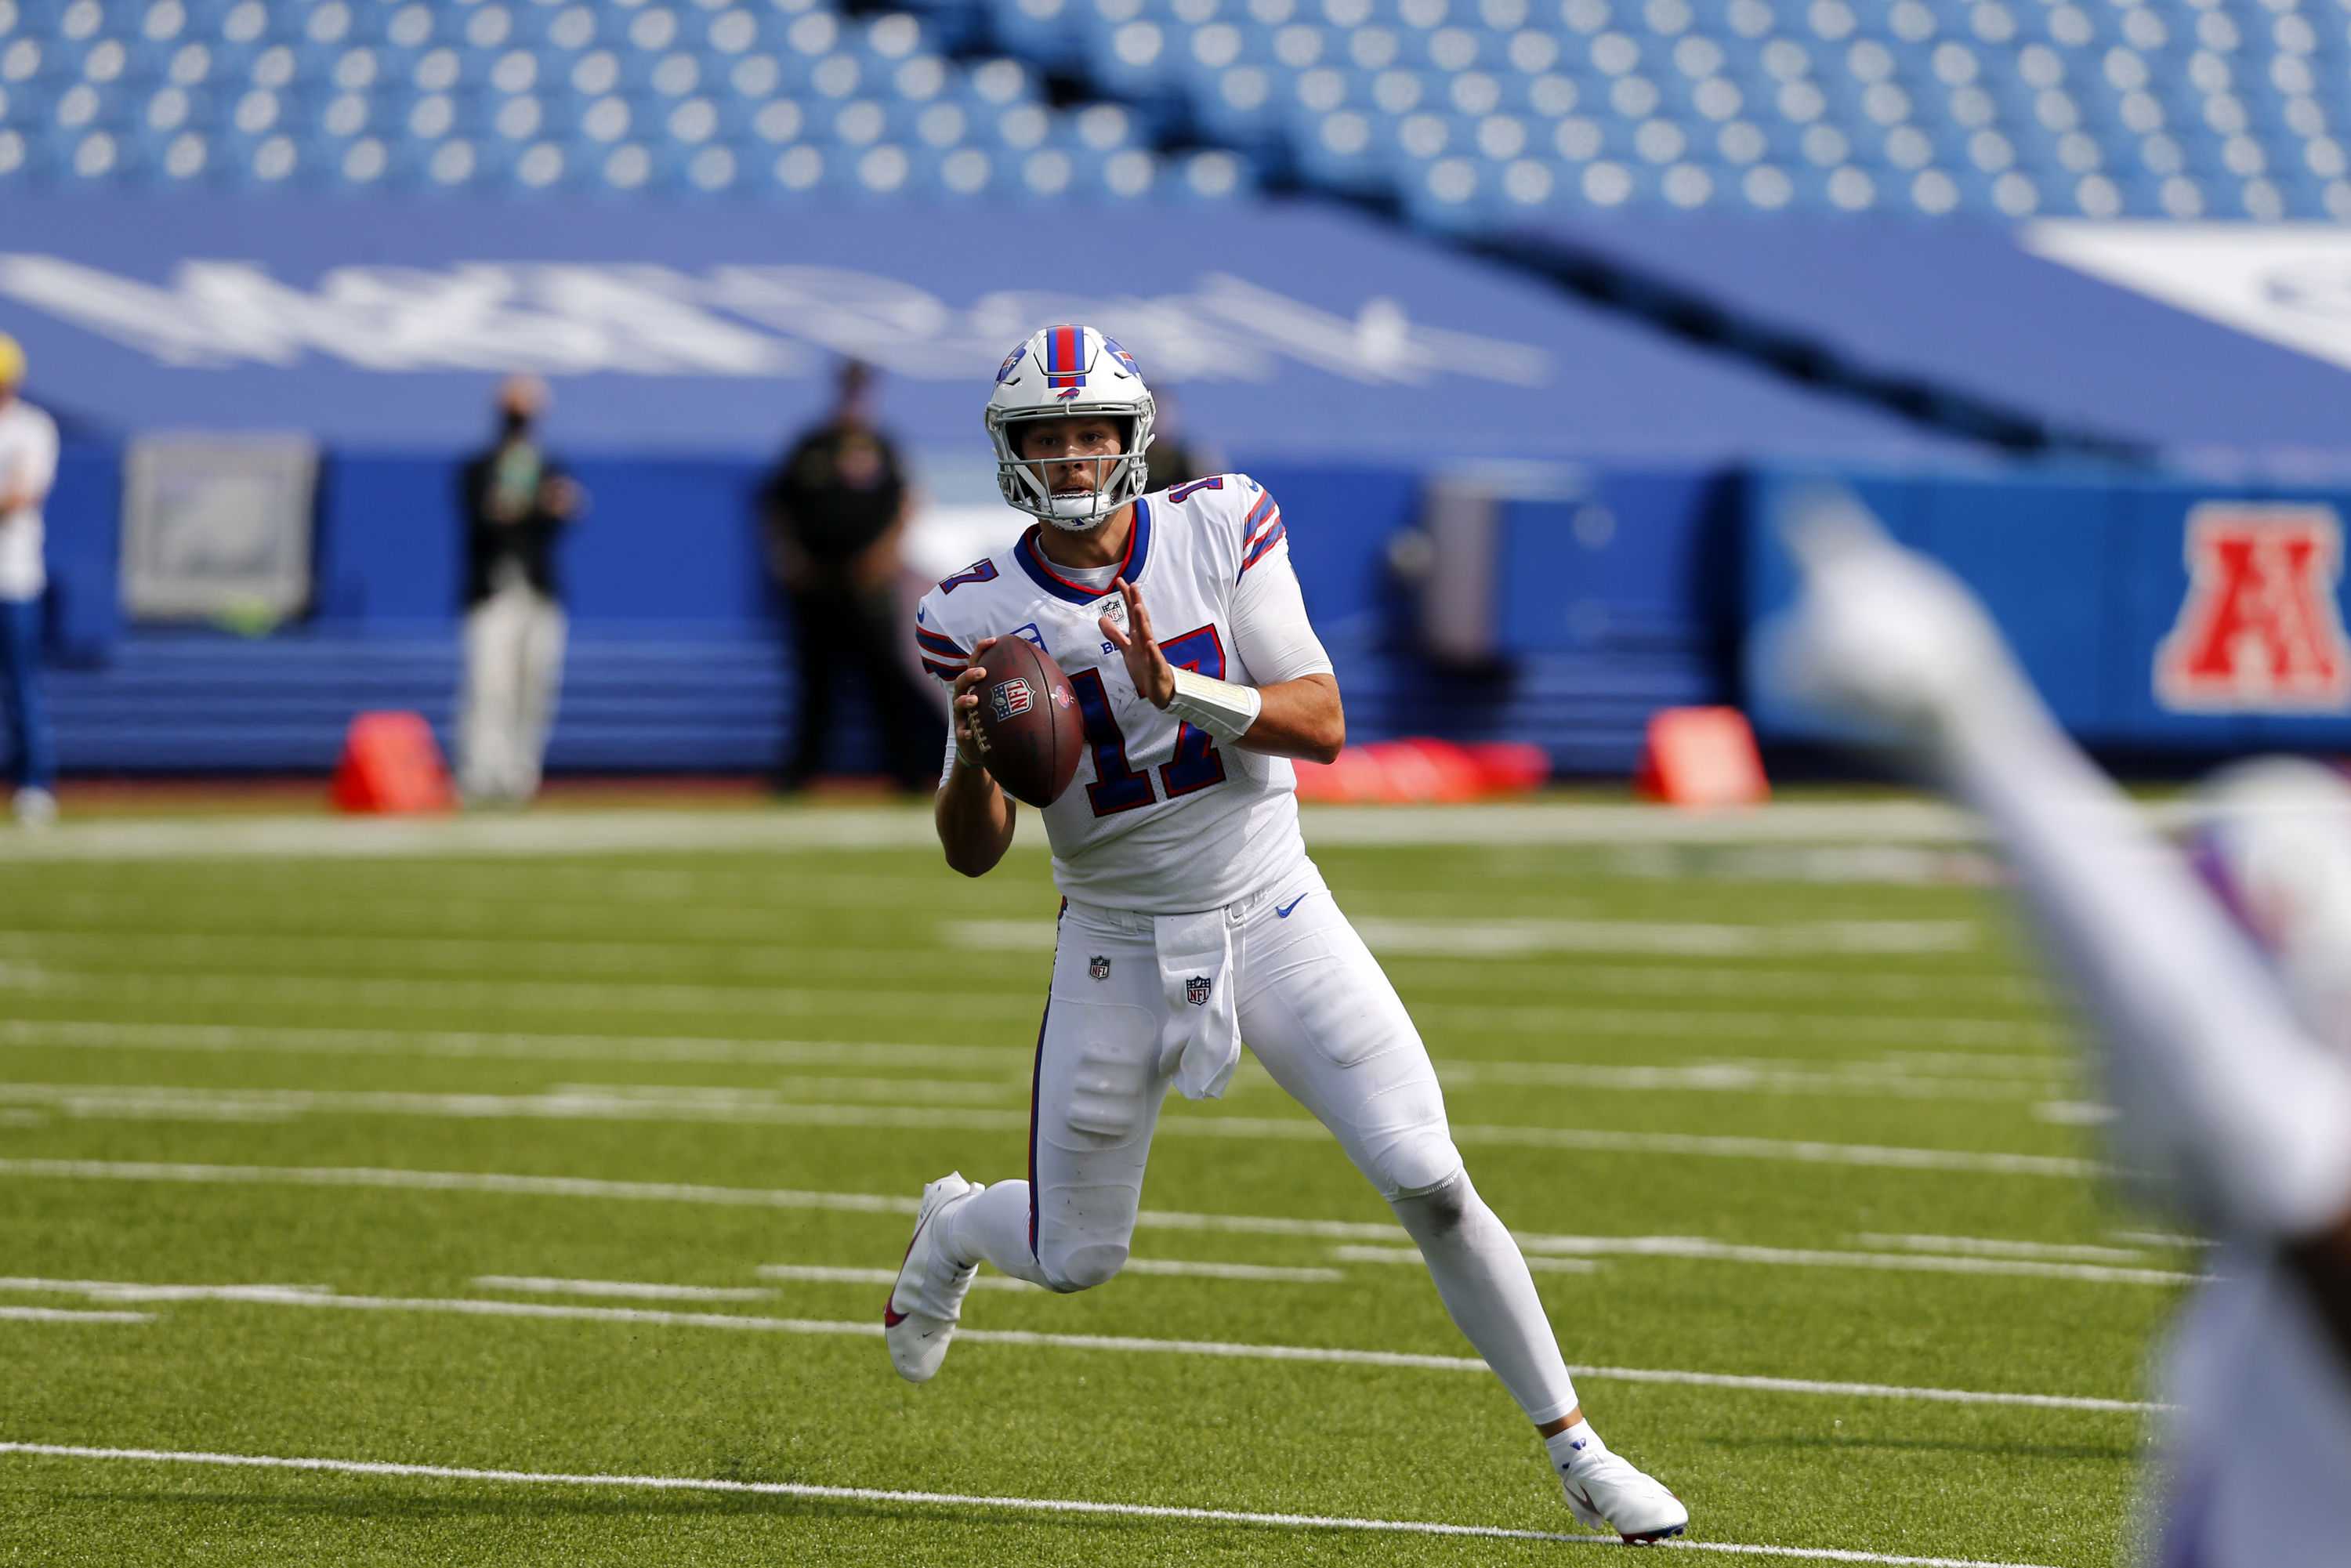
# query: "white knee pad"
(1416, 1163)
(1070, 1269)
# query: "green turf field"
(1794, 1112)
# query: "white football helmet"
(1058, 372)
(2273, 838)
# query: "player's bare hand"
(971, 740)
(1153, 676)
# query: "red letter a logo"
(2260, 632)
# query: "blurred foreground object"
(391, 765)
(1424, 771)
(2220, 1042)
(28, 466)
(517, 503)
(1701, 757)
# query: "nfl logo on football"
(1010, 697)
(1196, 990)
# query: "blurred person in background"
(2219, 983)
(1176, 458)
(28, 466)
(517, 503)
(833, 514)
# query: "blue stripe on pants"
(29, 745)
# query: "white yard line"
(820, 1274)
(566, 834)
(1179, 1268)
(1553, 1249)
(632, 1290)
(99, 1034)
(410, 996)
(1530, 938)
(1902, 1077)
(1986, 1247)
(1341, 1230)
(956, 1499)
(301, 1296)
(172, 1103)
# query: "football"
(1030, 718)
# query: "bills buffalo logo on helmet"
(1010, 697)
(1196, 990)
(1098, 967)
(1010, 361)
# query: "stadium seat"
(1464, 111)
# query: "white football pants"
(514, 663)
(1318, 1012)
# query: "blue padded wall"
(2084, 572)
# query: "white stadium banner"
(2287, 283)
(571, 318)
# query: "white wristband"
(1220, 707)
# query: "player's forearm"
(2219, 1083)
(974, 820)
(1300, 718)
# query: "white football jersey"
(1160, 817)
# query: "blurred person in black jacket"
(1176, 458)
(833, 513)
(517, 502)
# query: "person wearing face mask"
(517, 502)
(833, 513)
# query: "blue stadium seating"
(1472, 112)
(1466, 113)
(709, 98)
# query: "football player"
(2229, 1059)
(1192, 917)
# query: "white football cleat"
(919, 1319)
(1604, 1492)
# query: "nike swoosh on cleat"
(1282, 912)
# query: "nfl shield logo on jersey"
(1196, 990)
(1010, 697)
(2260, 630)
(1098, 967)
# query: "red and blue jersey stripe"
(934, 649)
(1261, 530)
(1065, 356)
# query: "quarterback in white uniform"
(1192, 918)
(2228, 1059)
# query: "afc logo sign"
(2260, 630)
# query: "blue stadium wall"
(676, 654)
(2087, 572)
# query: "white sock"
(993, 1229)
(1576, 1441)
(1483, 1279)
